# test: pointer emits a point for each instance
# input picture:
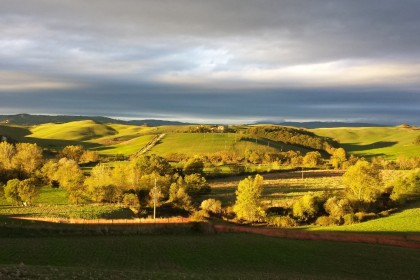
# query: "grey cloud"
(117, 50)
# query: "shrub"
(199, 216)
(305, 208)
(212, 205)
(282, 221)
(337, 207)
(363, 216)
(131, 200)
(349, 219)
(326, 221)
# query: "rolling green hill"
(75, 131)
(192, 144)
(389, 142)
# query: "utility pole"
(154, 202)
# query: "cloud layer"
(232, 60)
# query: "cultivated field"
(221, 256)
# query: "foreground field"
(221, 256)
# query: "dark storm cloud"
(232, 59)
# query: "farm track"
(150, 145)
(401, 240)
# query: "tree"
(248, 195)
(305, 208)
(312, 159)
(28, 190)
(362, 182)
(99, 185)
(193, 165)
(212, 205)
(179, 198)
(195, 184)
(7, 151)
(28, 158)
(407, 186)
(338, 158)
(337, 207)
(70, 177)
(72, 152)
(148, 164)
(11, 191)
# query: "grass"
(389, 142)
(76, 131)
(221, 256)
(277, 192)
(192, 144)
(89, 211)
(406, 221)
(125, 148)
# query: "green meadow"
(389, 142)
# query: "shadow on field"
(377, 145)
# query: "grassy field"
(281, 189)
(406, 221)
(389, 142)
(221, 256)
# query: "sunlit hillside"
(389, 142)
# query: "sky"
(230, 61)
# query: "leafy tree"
(406, 186)
(28, 158)
(338, 207)
(11, 191)
(99, 185)
(193, 165)
(362, 182)
(338, 158)
(248, 195)
(195, 184)
(179, 198)
(72, 152)
(305, 208)
(7, 151)
(131, 200)
(49, 170)
(70, 177)
(312, 159)
(148, 164)
(28, 190)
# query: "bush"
(305, 208)
(131, 200)
(337, 207)
(199, 216)
(212, 206)
(363, 216)
(326, 221)
(349, 219)
(282, 221)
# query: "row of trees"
(23, 170)
(364, 191)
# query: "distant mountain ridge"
(28, 119)
(311, 125)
